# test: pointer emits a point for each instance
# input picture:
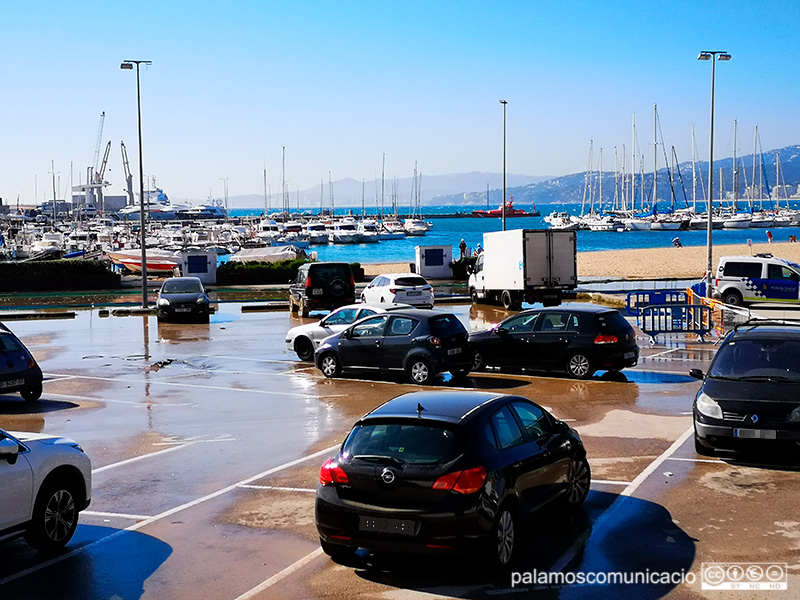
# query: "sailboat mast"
(383, 181)
(266, 200)
(735, 171)
(600, 168)
(655, 154)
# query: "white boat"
(636, 224)
(345, 232)
(391, 229)
(204, 211)
(666, 223)
(158, 261)
(368, 231)
(317, 233)
(761, 220)
(737, 221)
(415, 227)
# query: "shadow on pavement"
(14, 405)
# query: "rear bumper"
(28, 378)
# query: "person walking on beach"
(769, 236)
(793, 239)
(463, 248)
(676, 241)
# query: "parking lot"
(206, 442)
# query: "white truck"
(531, 265)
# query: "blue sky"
(340, 83)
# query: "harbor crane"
(128, 176)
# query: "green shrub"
(56, 275)
(459, 267)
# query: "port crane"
(128, 176)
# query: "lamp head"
(503, 102)
(126, 65)
(704, 56)
(724, 56)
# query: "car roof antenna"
(420, 408)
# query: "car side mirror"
(696, 373)
(347, 333)
(9, 450)
(500, 330)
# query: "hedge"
(264, 273)
(57, 275)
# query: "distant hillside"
(570, 188)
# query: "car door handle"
(377, 343)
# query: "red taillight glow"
(463, 482)
(393, 290)
(31, 364)
(308, 281)
(434, 341)
(331, 472)
(352, 279)
(606, 339)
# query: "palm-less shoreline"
(645, 263)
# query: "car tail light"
(606, 339)
(434, 341)
(352, 279)
(393, 290)
(331, 472)
(31, 363)
(308, 281)
(463, 482)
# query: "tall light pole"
(504, 103)
(128, 64)
(713, 56)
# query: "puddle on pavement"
(651, 377)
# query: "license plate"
(12, 383)
(183, 310)
(396, 526)
(413, 293)
(629, 355)
(454, 351)
(755, 434)
(316, 291)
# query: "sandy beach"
(646, 263)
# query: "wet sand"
(646, 263)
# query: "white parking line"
(142, 457)
(609, 482)
(697, 460)
(109, 401)
(172, 511)
(281, 575)
(96, 513)
(278, 488)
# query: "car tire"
(304, 348)
(504, 538)
(507, 300)
(363, 299)
(292, 305)
(330, 365)
(55, 516)
(702, 449)
(478, 362)
(473, 295)
(31, 393)
(303, 308)
(732, 298)
(579, 366)
(420, 371)
(578, 481)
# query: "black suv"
(419, 342)
(750, 397)
(438, 472)
(577, 338)
(321, 286)
(19, 371)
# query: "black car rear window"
(612, 321)
(406, 442)
(410, 281)
(445, 325)
(758, 358)
(327, 273)
(8, 343)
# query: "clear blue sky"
(340, 83)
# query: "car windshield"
(410, 281)
(446, 325)
(182, 286)
(757, 359)
(402, 443)
(8, 343)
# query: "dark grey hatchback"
(455, 471)
(750, 397)
(19, 371)
(419, 342)
(183, 298)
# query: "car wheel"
(330, 366)
(503, 538)
(419, 371)
(303, 309)
(702, 449)
(478, 362)
(304, 348)
(473, 295)
(578, 481)
(506, 300)
(733, 298)
(31, 393)
(292, 305)
(383, 300)
(579, 366)
(363, 299)
(55, 516)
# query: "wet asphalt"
(206, 441)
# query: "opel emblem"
(388, 475)
(754, 418)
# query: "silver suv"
(45, 481)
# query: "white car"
(408, 288)
(305, 339)
(45, 481)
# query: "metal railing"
(676, 318)
(637, 300)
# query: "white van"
(760, 278)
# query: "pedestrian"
(793, 239)
(463, 248)
(769, 236)
(676, 241)
(478, 250)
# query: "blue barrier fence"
(675, 318)
(635, 301)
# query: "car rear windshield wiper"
(773, 378)
(380, 458)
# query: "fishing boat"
(510, 212)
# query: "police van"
(761, 278)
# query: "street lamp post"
(128, 64)
(713, 56)
(504, 103)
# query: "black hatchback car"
(447, 471)
(182, 298)
(577, 338)
(19, 371)
(419, 342)
(750, 397)
(321, 286)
